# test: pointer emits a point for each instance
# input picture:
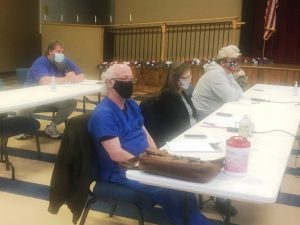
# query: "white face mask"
(59, 57)
(184, 84)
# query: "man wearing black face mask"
(124, 88)
(217, 85)
(118, 132)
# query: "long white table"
(269, 151)
(22, 98)
(28, 97)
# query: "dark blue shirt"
(108, 120)
(42, 66)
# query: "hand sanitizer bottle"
(53, 84)
(246, 127)
(296, 88)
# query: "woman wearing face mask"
(174, 105)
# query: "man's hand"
(70, 74)
(71, 77)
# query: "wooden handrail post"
(235, 25)
(163, 42)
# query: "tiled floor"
(24, 202)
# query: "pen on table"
(200, 136)
(212, 125)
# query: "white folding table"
(28, 97)
(269, 151)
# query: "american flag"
(270, 18)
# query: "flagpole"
(270, 21)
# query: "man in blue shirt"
(119, 135)
(54, 67)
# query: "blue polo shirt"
(42, 66)
(108, 120)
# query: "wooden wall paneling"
(268, 76)
(278, 74)
(162, 76)
(260, 76)
(290, 77)
(296, 77)
(252, 76)
(158, 74)
(284, 77)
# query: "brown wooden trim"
(272, 66)
(155, 77)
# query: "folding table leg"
(4, 153)
(228, 212)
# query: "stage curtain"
(283, 47)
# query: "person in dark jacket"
(173, 109)
(71, 176)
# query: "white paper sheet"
(190, 145)
(220, 121)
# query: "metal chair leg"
(90, 202)
(200, 201)
(38, 146)
(83, 104)
(4, 141)
(113, 209)
(4, 153)
(228, 212)
(141, 216)
(86, 210)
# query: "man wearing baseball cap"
(217, 85)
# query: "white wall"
(83, 44)
(166, 10)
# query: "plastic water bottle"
(53, 84)
(246, 127)
(296, 88)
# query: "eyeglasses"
(133, 80)
(187, 77)
(232, 62)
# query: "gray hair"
(109, 74)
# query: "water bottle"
(53, 84)
(246, 127)
(296, 88)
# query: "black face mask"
(124, 88)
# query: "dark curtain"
(284, 45)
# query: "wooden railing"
(173, 40)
